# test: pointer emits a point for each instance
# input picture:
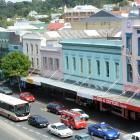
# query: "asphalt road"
(10, 130)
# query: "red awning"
(116, 101)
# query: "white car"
(84, 115)
(60, 130)
(133, 136)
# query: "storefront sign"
(116, 103)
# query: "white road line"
(24, 127)
(31, 130)
(37, 133)
(18, 125)
(45, 136)
(40, 103)
(53, 139)
(43, 109)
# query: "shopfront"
(120, 106)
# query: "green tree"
(15, 65)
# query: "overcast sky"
(17, 0)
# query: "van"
(73, 120)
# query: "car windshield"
(61, 127)
(5, 88)
(22, 110)
(87, 138)
(107, 128)
(28, 94)
(81, 112)
(59, 106)
(41, 119)
(77, 119)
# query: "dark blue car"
(103, 130)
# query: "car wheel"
(48, 110)
(105, 137)
(59, 135)
(50, 131)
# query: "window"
(56, 63)
(45, 62)
(37, 62)
(15, 47)
(81, 64)
(32, 62)
(74, 63)
(138, 67)
(129, 43)
(27, 47)
(51, 63)
(138, 46)
(89, 66)
(98, 67)
(129, 73)
(32, 48)
(107, 68)
(36, 49)
(117, 70)
(67, 62)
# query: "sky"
(17, 0)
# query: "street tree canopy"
(15, 64)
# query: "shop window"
(117, 110)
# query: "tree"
(15, 64)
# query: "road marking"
(53, 139)
(31, 130)
(43, 109)
(37, 133)
(18, 125)
(12, 123)
(45, 136)
(24, 127)
(40, 103)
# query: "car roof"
(58, 124)
(100, 124)
(25, 93)
(76, 109)
(136, 134)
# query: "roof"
(102, 15)
(55, 26)
(71, 34)
(82, 134)
(136, 134)
(58, 124)
(11, 100)
(91, 42)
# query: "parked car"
(80, 111)
(27, 96)
(103, 130)
(38, 121)
(73, 120)
(55, 107)
(133, 136)
(60, 130)
(83, 136)
(6, 90)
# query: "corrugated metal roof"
(91, 42)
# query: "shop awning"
(123, 101)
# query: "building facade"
(51, 60)
(31, 48)
(93, 63)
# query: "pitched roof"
(102, 15)
(55, 26)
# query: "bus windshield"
(22, 110)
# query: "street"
(21, 130)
